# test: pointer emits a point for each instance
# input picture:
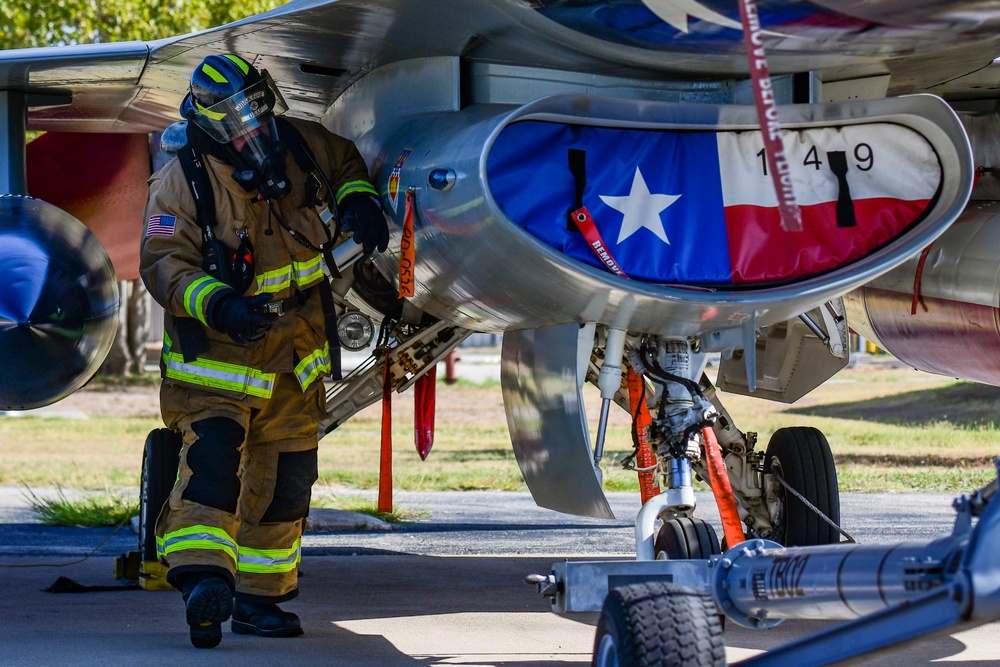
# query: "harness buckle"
(276, 307)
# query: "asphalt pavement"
(446, 590)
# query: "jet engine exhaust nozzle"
(58, 303)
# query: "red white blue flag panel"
(699, 208)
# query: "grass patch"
(89, 511)
(97, 453)
(366, 506)
(123, 382)
(891, 429)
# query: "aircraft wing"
(317, 49)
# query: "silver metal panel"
(984, 129)
(377, 98)
(791, 360)
(492, 83)
(98, 82)
(547, 422)
(464, 242)
(107, 64)
(583, 585)
(955, 330)
(13, 169)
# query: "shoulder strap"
(212, 250)
(201, 188)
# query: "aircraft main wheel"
(160, 458)
(684, 538)
(802, 456)
(658, 624)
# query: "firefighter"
(236, 237)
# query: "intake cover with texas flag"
(698, 208)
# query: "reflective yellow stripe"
(274, 281)
(242, 64)
(312, 366)
(216, 374)
(216, 75)
(269, 561)
(302, 273)
(212, 115)
(207, 538)
(309, 271)
(351, 187)
(197, 293)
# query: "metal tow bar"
(894, 593)
(888, 594)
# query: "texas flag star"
(641, 209)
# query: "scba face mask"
(259, 158)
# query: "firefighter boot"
(265, 619)
(208, 601)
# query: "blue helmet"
(228, 97)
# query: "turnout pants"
(243, 488)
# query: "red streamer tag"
(767, 116)
(407, 254)
(585, 223)
(423, 412)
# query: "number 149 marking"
(863, 153)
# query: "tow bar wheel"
(801, 456)
(658, 625)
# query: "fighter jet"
(621, 187)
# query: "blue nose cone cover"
(25, 266)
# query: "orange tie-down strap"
(645, 460)
(723, 490)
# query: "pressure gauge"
(355, 331)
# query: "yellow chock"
(153, 577)
(127, 566)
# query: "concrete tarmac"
(447, 590)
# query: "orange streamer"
(407, 252)
(385, 454)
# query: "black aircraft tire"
(160, 458)
(803, 457)
(658, 625)
(684, 538)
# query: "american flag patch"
(161, 225)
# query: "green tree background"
(32, 23)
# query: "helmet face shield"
(242, 113)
